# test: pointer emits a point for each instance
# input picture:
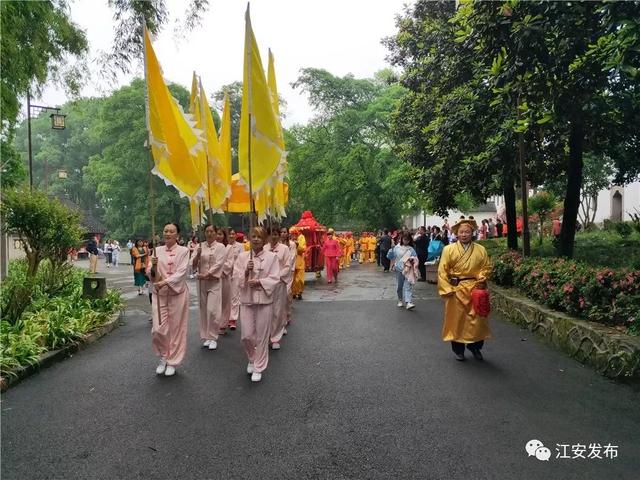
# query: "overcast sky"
(341, 36)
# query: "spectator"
(405, 266)
(499, 227)
(115, 253)
(92, 248)
(108, 252)
(385, 246)
(422, 244)
(492, 228)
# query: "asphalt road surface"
(360, 390)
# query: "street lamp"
(57, 123)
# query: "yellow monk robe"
(372, 248)
(298, 277)
(461, 323)
(350, 249)
(343, 248)
(362, 241)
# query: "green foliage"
(38, 41)
(542, 204)
(341, 165)
(119, 172)
(603, 295)
(482, 77)
(53, 315)
(624, 229)
(21, 292)
(46, 227)
(600, 248)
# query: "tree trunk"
(33, 261)
(595, 209)
(509, 193)
(574, 184)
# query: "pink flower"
(581, 302)
(568, 288)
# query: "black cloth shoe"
(460, 357)
(477, 354)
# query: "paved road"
(360, 390)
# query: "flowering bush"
(604, 295)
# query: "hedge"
(603, 295)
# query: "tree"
(544, 63)
(38, 42)
(120, 172)
(446, 124)
(127, 36)
(341, 164)
(494, 79)
(46, 228)
(542, 204)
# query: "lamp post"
(57, 123)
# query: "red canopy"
(308, 222)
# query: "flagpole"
(152, 207)
(203, 121)
(247, 40)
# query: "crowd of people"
(461, 268)
(253, 283)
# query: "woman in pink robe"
(332, 252)
(227, 269)
(257, 273)
(170, 305)
(293, 252)
(279, 321)
(209, 260)
(236, 249)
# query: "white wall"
(416, 221)
(630, 199)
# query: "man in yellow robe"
(343, 248)
(372, 247)
(464, 266)
(363, 242)
(350, 249)
(297, 287)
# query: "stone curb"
(49, 358)
(613, 354)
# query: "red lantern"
(481, 302)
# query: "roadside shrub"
(624, 229)
(603, 295)
(51, 315)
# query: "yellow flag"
(278, 198)
(174, 144)
(225, 140)
(197, 214)
(267, 156)
(219, 181)
(201, 161)
(238, 201)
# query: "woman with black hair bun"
(170, 305)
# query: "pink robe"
(293, 249)
(236, 249)
(212, 260)
(170, 305)
(332, 252)
(280, 296)
(256, 304)
(227, 271)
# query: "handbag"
(481, 301)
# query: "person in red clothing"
(332, 252)
(557, 228)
